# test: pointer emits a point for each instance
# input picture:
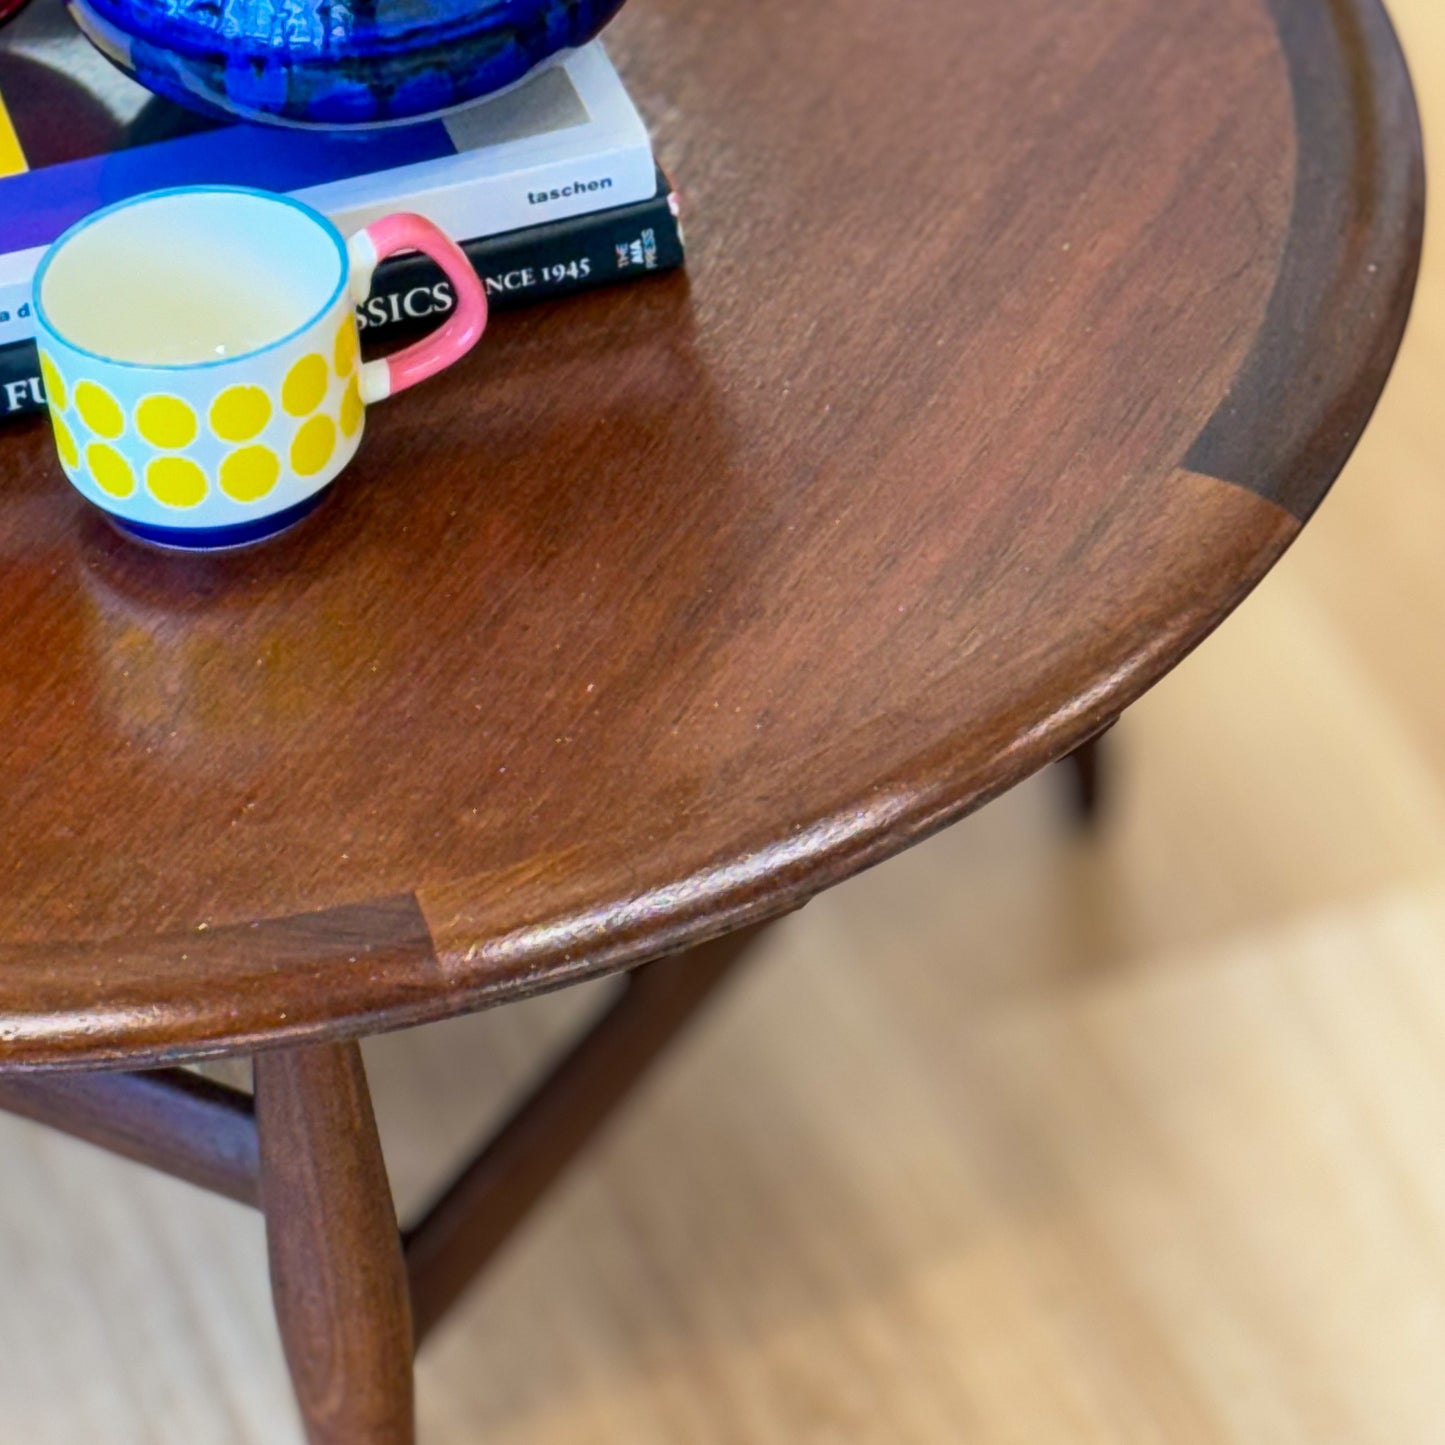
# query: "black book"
(410, 293)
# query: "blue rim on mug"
(71, 233)
(221, 539)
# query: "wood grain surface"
(1016, 341)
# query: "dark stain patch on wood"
(1338, 309)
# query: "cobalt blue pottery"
(335, 63)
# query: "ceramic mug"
(200, 356)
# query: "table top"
(1017, 343)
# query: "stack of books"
(551, 188)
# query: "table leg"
(337, 1274)
(1086, 764)
(1083, 762)
(497, 1189)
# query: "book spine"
(465, 203)
(17, 273)
(19, 379)
(543, 262)
(411, 294)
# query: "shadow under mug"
(201, 359)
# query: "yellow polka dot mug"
(199, 353)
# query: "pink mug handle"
(463, 328)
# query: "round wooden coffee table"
(1018, 342)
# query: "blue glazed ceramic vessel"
(335, 63)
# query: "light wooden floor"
(1017, 1139)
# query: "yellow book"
(12, 158)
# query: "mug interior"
(188, 277)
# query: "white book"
(566, 142)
